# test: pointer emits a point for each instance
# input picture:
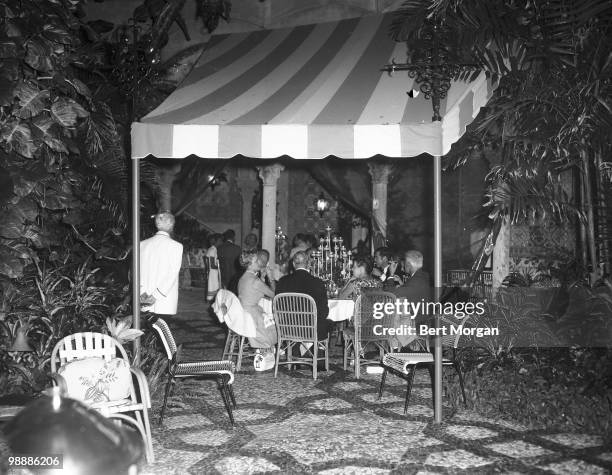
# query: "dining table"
(339, 309)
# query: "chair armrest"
(143, 385)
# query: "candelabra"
(331, 261)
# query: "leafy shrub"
(540, 396)
(55, 299)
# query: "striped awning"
(306, 92)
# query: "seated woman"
(362, 269)
(251, 289)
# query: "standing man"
(303, 282)
(229, 254)
(160, 264)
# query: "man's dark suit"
(229, 255)
(415, 289)
(302, 282)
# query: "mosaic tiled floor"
(336, 425)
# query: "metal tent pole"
(136, 254)
(437, 396)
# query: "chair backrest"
(295, 315)
(364, 319)
(85, 345)
(163, 330)
(452, 337)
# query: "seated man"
(384, 268)
(416, 288)
(303, 282)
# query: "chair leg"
(240, 351)
(166, 392)
(382, 383)
(278, 351)
(290, 354)
(327, 356)
(357, 358)
(225, 397)
(458, 370)
(315, 361)
(228, 348)
(143, 420)
(347, 348)
(409, 381)
(230, 389)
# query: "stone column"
(269, 176)
(380, 178)
(501, 255)
(248, 183)
(282, 218)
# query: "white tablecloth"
(339, 310)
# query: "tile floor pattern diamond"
(354, 470)
(519, 449)
(244, 465)
(573, 466)
(469, 432)
(319, 438)
(577, 441)
(457, 459)
(336, 425)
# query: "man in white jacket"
(160, 263)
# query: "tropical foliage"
(63, 171)
(551, 111)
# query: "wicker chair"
(406, 364)
(236, 346)
(79, 346)
(361, 335)
(296, 323)
(221, 371)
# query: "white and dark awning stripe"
(306, 92)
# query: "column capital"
(246, 179)
(380, 172)
(270, 173)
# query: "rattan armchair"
(295, 316)
(221, 371)
(361, 335)
(134, 409)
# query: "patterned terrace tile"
(238, 465)
(329, 404)
(351, 386)
(386, 398)
(170, 461)
(249, 414)
(457, 459)
(355, 470)
(413, 410)
(573, 466)
(576, 441)
(189, 420)
(519, 449)
(469, 432)
(324, 438)
(607, 456)
(470, 416)
(207, 438)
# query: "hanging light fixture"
(321, 204)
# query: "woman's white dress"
(213, 274)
